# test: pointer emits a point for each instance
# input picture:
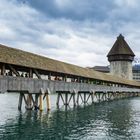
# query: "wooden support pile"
(34, 101)
(84, 97)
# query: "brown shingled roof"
(120, 47)
(25, 59)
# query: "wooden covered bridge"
(35, 77)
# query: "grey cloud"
(97, 11)
(59, 32)
(74, 9)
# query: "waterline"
(108, 120)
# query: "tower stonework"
(120, 57)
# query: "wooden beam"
(20, 101)
(78, 98)
(33, 101)
(30, 73)
(3, 69)
(25, 100)
(74, 93)
(70, 98)
(37, 74)
(13, 70)
(58, 98)
(29, 102)
(36, 101)
(49, 76)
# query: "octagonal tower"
(120, 57)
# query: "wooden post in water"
(48, 99)
(20, 101)
(99, 99)
(74, 92)
(29, 102)
(36, 102)
(103, 94)
(72, 96)
(77, 98)
(66, 99)
(92, 96)
(85, 98)
(41, 102)
(89, 95)
(29, 98)
(58, 98)
(41, 99)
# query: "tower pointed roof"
(120, 47)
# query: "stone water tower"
(120, 57)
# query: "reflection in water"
(122, 122)
(112, 120)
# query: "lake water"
(113, 120)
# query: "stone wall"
(122, 69)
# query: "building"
(106, 69)
(120, 57)
(136, 72)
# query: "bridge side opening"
(27, 72)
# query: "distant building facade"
(106, 69)
(120, 57)
(136, 72)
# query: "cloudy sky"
(80, 32)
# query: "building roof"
(106, 69)
(25, 59)
(101, 68)
(120, 47)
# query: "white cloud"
(6, 32)
(84, 43)
(127, 3)
(62, 3)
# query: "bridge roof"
(18, 57)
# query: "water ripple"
(106, 121)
